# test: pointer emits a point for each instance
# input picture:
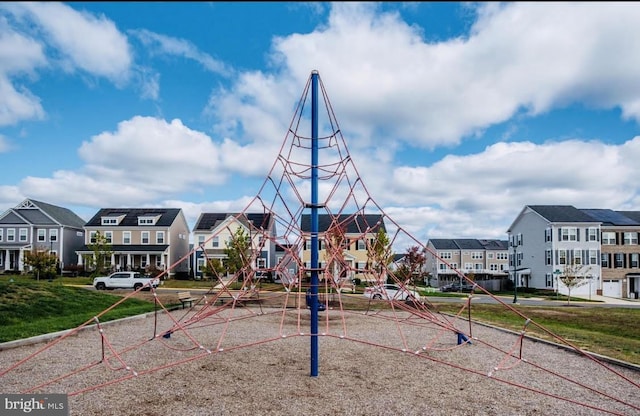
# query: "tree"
(43, 262)
(573, 277)
(238, 252)
(380, 254)
(334, 251)
(101, 249)
(213, 268)
(415, 259)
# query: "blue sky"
(456, 114)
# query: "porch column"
(6, 260)
(148, 259)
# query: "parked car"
(457, 287)
(390, 291)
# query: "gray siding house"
(36, 225)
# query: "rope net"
(276, 219)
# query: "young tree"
(213, 268)
(415, 259)
(43, 262)
(238, 252)
(101, 249)
(574, 277)
(335, 240)
(380, 254)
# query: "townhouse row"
(546, 243)
(159, 238)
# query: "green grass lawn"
(613, 332)
(29, 307)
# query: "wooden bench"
(186, 298)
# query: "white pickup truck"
(124, 280)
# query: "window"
(593, 256)
(631, 238)
(618, 260)
(42, 235)
(216, 241)
(490, 256)
(608, 238)
(53, 235)
(442, 267)
(604, 260)
(547, 257)
(92, 237)
(547, 235)
(145, 237)
(361, 245)
(126, 237)
(562, 257)
(201, 240)
(23, 234)
(502, 256)
(634, 260)
(548, 281)
(262, 263)
(1, 234)
(146, 220)
(159, 237)
(569, 234)
(476, 255)
(109, 221)
(493, 267)
(577, 256)
(11, 234)
(200, 265)
(592, 234)
(108, 237)
(479, 266)
(468, 266)
(445, 255)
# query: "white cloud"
(386, 80)
(90, 43)
(162, 44)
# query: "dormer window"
(148, 220)
(112, 220)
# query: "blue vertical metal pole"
(314, 223)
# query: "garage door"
(612, 288)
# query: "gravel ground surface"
(257, 360)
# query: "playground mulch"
(260, 360)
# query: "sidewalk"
(614, 301)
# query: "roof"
(633, 215)
(137, 248)
(210, 220)
(562, 213)
(468, 244)
(41, 213)
(611, 217)
(354, 224)
(167, 216)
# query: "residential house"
(357, 234)
(213, 231)
(484, 261)
(144, 239)
(602, 244)
(619, 252)
(36, 225)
